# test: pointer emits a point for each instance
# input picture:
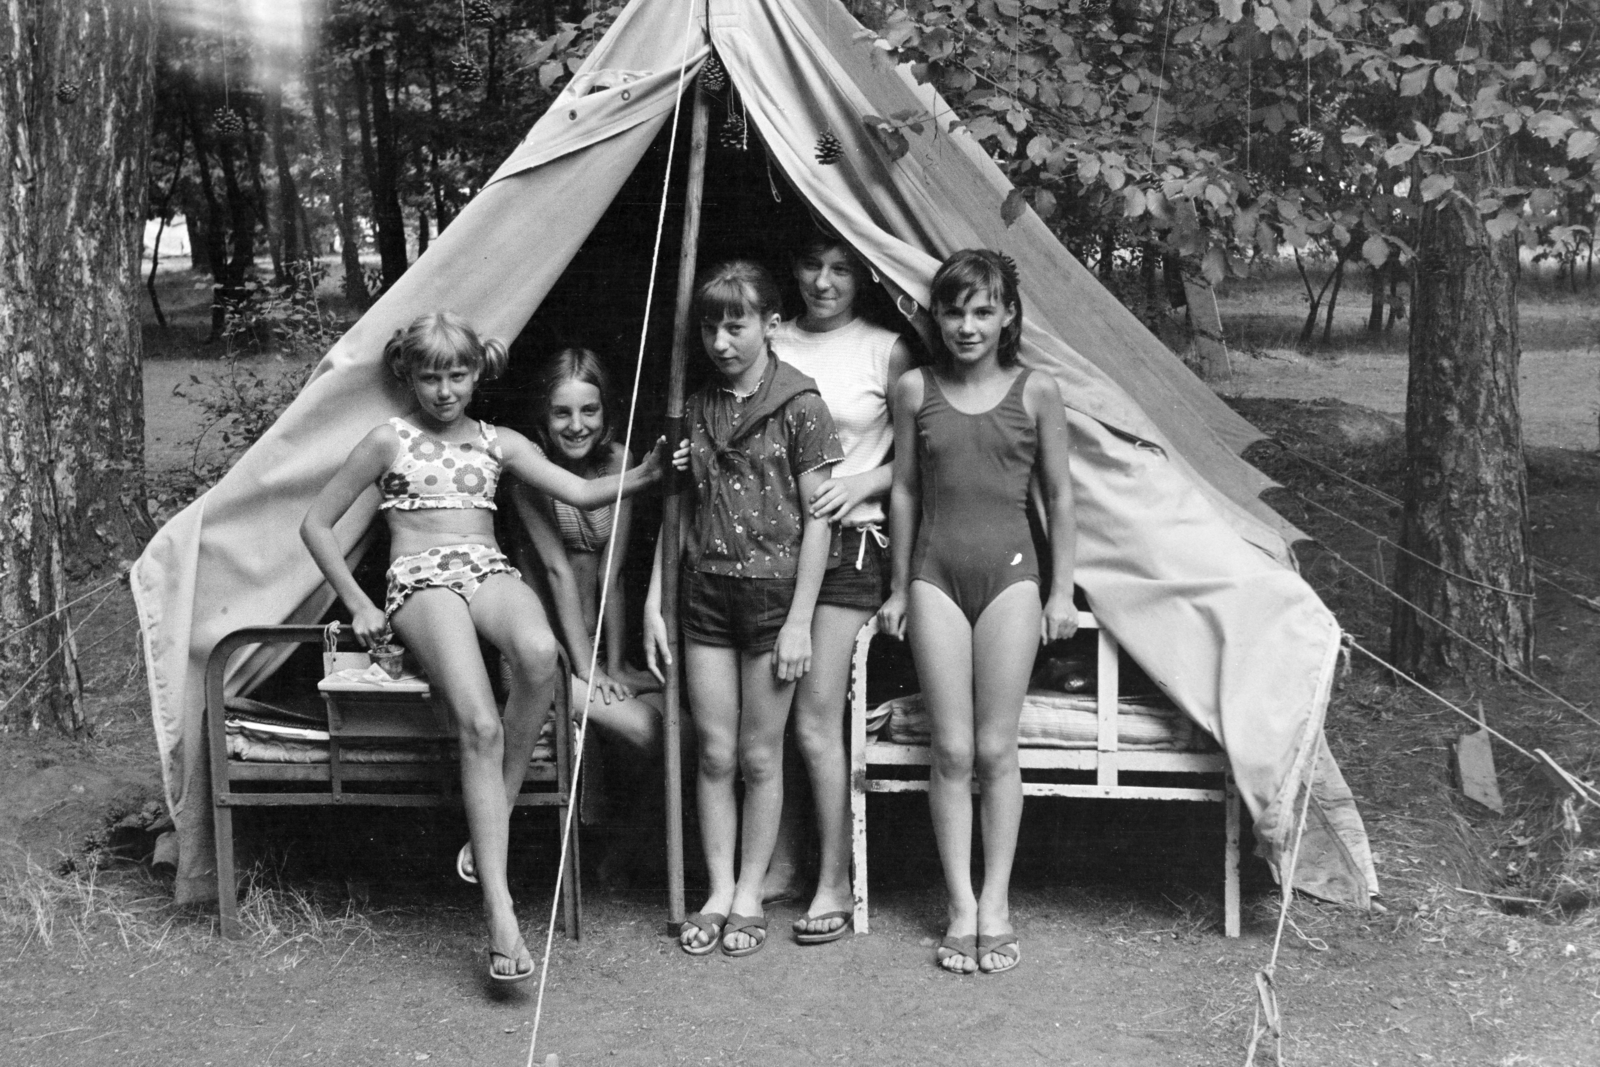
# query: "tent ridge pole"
(671, 547)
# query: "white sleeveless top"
(851, 368)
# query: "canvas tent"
(1177, 555)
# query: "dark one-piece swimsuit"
(973, 542)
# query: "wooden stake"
(671, 546)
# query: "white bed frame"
(1105, 762)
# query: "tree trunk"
(1205, 326)
(250, 142)
(294, 252)
(1379, 276)
(344, 198)
(1333, 299)
(213, 231)
(75, 99)
(1466, 490)
(384, 176)
(242, 218)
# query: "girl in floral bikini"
(449, 584)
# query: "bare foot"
(823, 917)
(698, 938)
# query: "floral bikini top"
(429, 473)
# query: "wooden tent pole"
(671, 548)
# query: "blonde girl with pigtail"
(449, 584)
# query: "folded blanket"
(260, 742)
(1064, 720)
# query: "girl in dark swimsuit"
(970, 433)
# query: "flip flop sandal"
(822, 937)
(745, 924)
(952, 947)
(466, 866)
(710, 922)
(516, 975)
(1003, 945)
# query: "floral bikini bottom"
(458, 568)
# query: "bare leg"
(437, 626)
(819, 705)
(763, 714)
(1004, 644)
(782, 881)
(636, 722)
(713, 683)
(510, 615)
(941, 642)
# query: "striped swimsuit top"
(581, 530)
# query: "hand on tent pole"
(680, 456)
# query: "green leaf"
(1436, 185)
(1232, 10)
(1502, 225)
(1214, 266)
(1414, 82)
(1551, 126)
(1445, 80)
(1014, 205)
(1044, 202)
(1375, 250)
(1582, 144)
(1130, 83)
(1400, 154)
(1133, 202)
(1266, 21)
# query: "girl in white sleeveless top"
(855, 365)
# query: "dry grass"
(87, 909)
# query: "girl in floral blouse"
(760, 443)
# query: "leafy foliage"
(1230, 128)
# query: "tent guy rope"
(1520, 675)
(611, 545)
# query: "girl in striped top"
(569, 548)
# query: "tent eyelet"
(627, 95)
(573, 115)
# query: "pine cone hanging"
(466, 72)
(829, 149)
(713, 75)
(68, 90)
(227, 121)
(733, 133)
(480, 12)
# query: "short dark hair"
(973, 270)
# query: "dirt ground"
(361, 947)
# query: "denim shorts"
(729, 612)
(863, 588)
